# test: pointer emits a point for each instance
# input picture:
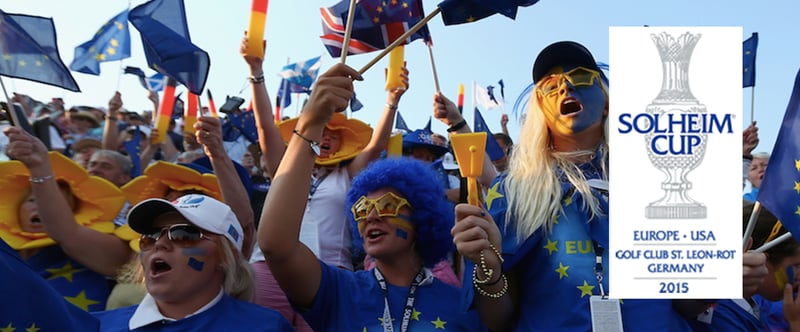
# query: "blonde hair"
(238, 277)
(533, 189)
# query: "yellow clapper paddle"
(470, 150)
(395, 146)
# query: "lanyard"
(598, 266)
(316, 182)
(409, 307)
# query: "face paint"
(557, 97)
(402, 233)
(785, 276)
(195, 264)
(401, 221)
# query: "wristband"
(457, 126)
(392, 107)
(256, 79)
(41, 179)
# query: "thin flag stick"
(752, 103)
(347, 30)
(400, 40)
(766, 246)
(11, 112)
(751, 224)
(433, 68)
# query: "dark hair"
(431, 214)
(765, 223)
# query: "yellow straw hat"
(99, 201)
(355, 136)
(157, 179)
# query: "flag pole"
(11, 112)
(347, 30)
(767, 246)
(751, 224)
(399, 40)
(433, 67)
(752, 103)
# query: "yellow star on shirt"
(797, 212)
(33, 328)
(65, 271)
(8, 328)
(797, 164)
(562, 270)
(797, 187)
(492, 195)
(568, 201)
(365, 329)
(586, 289)
(438, 323)
(415, 314)
(81, 301)
(551, 246)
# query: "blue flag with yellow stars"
(134, 149)
(467, 11)
(749, 48)
(493, 149)
(780, 190)
(28, 48)
(243, 123)
(400, 123)
(31, 303)
(110, 43)
(167, 45)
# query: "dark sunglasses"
(183, 235)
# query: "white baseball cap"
(449, 162)
(202, 211)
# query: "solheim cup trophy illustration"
(669, 152)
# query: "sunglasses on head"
(388, 205)
(183, 235)
(579, 76)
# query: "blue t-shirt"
(772, 314)
(556, 269)
(354, 301)
(228, 314)
(79, 285)
(731, 317)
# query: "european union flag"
(376, 24)
(749, 48)
(28, 48)
(134, 149)
(245, 123)
(780, 190)
(167, 45)
(111, 42)
(302, 73)
(154, 83)
(32, 304)
(493, 149)
(467, 11)
(400, 123)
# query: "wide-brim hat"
(99, 201)
(355, 136)
(162, 176)
(421, 138)
(86, 142)
(88, 115)
(562, 53)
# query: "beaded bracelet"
(41, 179)
(486, 271)
(497, 295)
(256, 79)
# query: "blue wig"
(432, 215)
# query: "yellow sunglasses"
(388, 205)
(579, 76)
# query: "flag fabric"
(154, 83)
(493, 149)
(490, 91)
(285, 93)
(110, 43)
(29, 50)
(244, 123)
(483, 99)
(355, 104)
(400, 123)
(502, 89)
(376, 24)
(780, 189)
(749, 48)
(467, 11)
(167, 45)
(134, 149)
(302, 73)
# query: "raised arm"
(110, 130)
(446, 111)
(269, 137)
(294, 266)
(102, 253)
(380, 135)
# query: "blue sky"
(485, 51)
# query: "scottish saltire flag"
(749, 48)
(484, 99)
(111, 42)
(32, 304)
(780, 190)
(302, 73)
(400, 123)
(467, 11)
(29, 51)
(134, 149)
(167, 45)
(493, 149)
(285, 93)
(375, 25)
(155, 82)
